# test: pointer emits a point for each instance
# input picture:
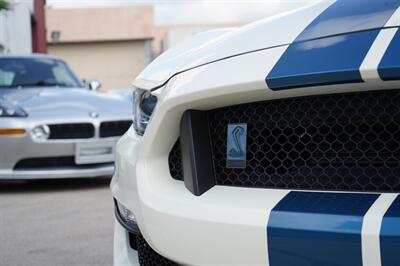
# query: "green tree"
(4, 4)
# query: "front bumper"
(20, 148)
(215, 228)
(97, 171)
(234, 225)
(123, 254)
(17, 149)
(248, 226)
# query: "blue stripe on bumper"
(312, 228)
(390, 235)
(389, 67)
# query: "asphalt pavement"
(56, 222)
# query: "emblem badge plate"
(236, 146)
(94, 114)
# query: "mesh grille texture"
(53, 163)
(148, 257)
(71, 131)
(175, 162)
(114, 128)
(346, 142)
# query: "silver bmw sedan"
(51, 126)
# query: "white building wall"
(15, 29)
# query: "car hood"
(319, 20)
(68, 101)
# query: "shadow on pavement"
(52, 185)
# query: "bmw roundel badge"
(94, 114)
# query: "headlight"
(126, 218)
(40, 133)
(9, 109)
(143, 105)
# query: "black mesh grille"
(52, 163)
(148, 257)
(347, 142)
(71, 131)
(175, 162)
(114, 128)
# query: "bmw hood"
(68, 102)
(320, 20)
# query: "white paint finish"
(369, 67)
(176, 223)
(123, 254)
(226, 225)
(15, 29)
(266, 237)
(278, 30)
(394, 19)
(123, 182)
(221, 224)
(370, 233)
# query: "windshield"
(36, 72)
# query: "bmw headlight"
(143, 105)
(40, 133)
(9, 109)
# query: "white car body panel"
(123, 255)
(217, 227)
(158, 197)
(194, 52)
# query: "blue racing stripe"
(314, 59)
(313, 229)
(324, 61)
(389, 67)
(346, 16)
(390, 235)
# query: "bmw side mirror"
(94, 85)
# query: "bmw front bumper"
(21, 157)
(102, 171)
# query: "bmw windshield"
(20, 72)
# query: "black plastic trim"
(198, 168)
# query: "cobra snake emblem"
(237, 151)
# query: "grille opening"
(71, 131)
(114, 128)
(52, 163)
(149, 257)
(175, 161)
(346, 142)
(133, 241)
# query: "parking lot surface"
(56, 222)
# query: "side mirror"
(94, 85)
